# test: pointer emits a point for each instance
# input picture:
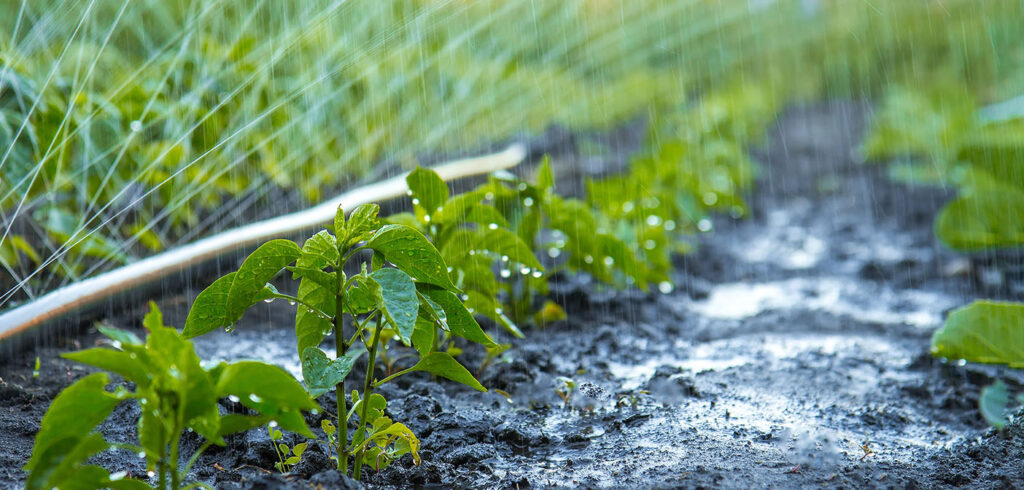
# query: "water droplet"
(151, 473)
(653, 220)
(537, 274)
(627, 206)
(408, 192)
(119, 475)
(650, 244)
(472, 252)
(588, 259)
(704, 225)
(665, 287)
(450, 269)
(710, 198)
(142, 454)
(415, 201)
(426, 218)
(268, 300)
(504, 258)
(489, 196)
(314, 411)
(492, 226)
(229, 328)
(136, 126)
(522, 186)
(291, 302)
(670, 225)
(234, 399)
(505, 273)
(554, 252)
(528, 202)
(116, 344)
(608, 261)
(255, 398)
(961, 362)
(273, 423)
(499, 310)
(471, 310)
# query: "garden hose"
(19, 324)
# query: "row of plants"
(403, 290)
(950, 141)
(226, 100)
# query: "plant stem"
(175, 476)
(367, 387)
(340, 348)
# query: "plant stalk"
(340, 348)
(367, 387)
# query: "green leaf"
(488, 307)
(993, 403)
(74, 413)
(123, 336)
(545, 175)
(339, 221)
(398, 300)
(300, 448)
(363, 296)
(986, 331)
(322, 374)
(456, 209)
(60, 465)
(410, 251)
(444, 365)
(460, 320)
(272, 386)
(429, 191)
(318, 252)
(209, 310)
(257, 269)
(362, 221)
(311, 327)
(423, 336)
(987, 218)
(129, 366)
(154, 319)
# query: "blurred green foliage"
(126, 127)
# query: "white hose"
(74, 297)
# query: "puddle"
(860, 300)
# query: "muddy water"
(793, 353)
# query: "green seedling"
(174, 394)
(403, 290)
(35, 369)
(286, 456)
(564, 388)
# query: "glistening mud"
(794, 352)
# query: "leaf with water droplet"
(398, 301)
(411, 252)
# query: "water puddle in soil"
(840, 296)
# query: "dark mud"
(793, 353)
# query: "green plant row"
(416, 281)
(950, 141)
(121, 135)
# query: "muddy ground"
(793, 353)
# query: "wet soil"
(793, 353)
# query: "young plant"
(473, 237)
(401, 291)
(174, 394)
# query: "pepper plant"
(402, 290)
(174, 393)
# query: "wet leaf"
(398, 300)
(410, 251)
(459, 320)
(982, 220)
(985, 331)
(993, 403)
(257, 269)
(429, 192)
(323, 374)
(444, 365)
